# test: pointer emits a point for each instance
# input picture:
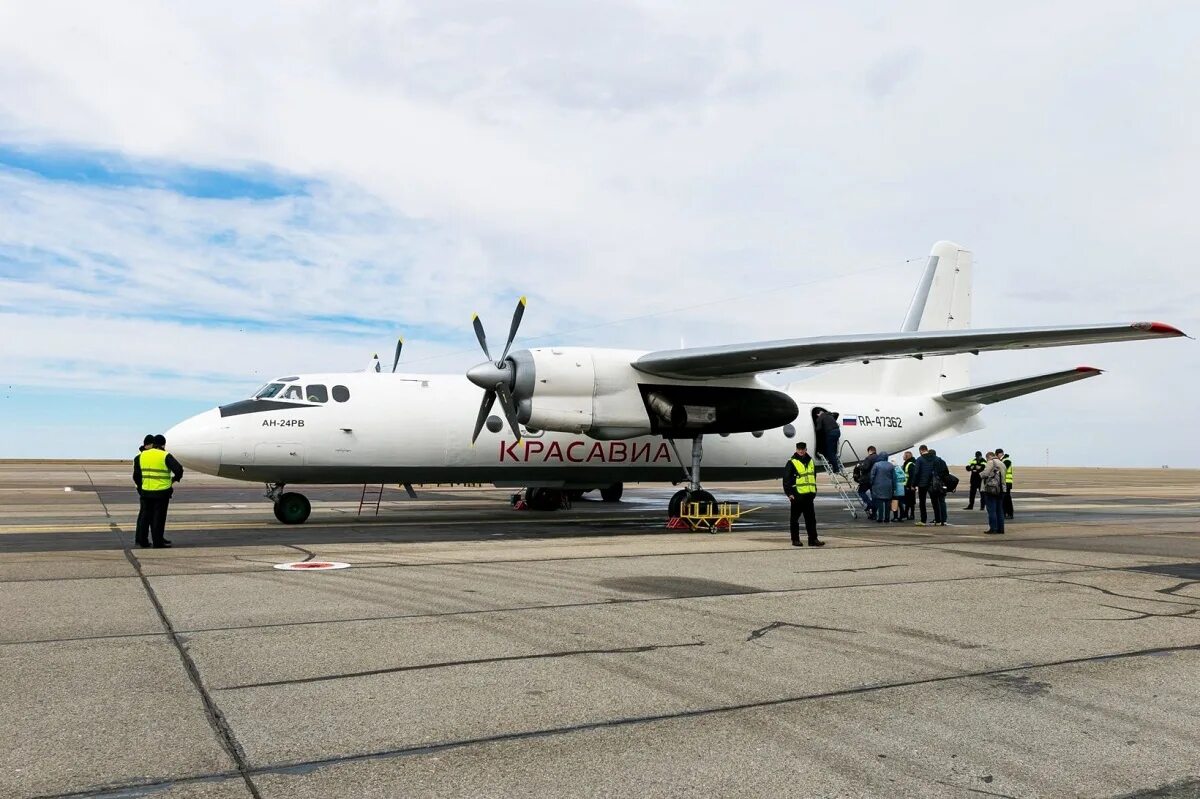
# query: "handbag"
(950, 482)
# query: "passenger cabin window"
(316, 393)
(341, 393)
(269, 390)
(293, 393)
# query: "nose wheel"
(291, 507)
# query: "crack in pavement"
(975, 790)
(775, 625)
(628, 650)
(1139, 615)
(1175, 589)
(860, 569)
(1107, 592)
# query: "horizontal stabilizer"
(735, 360)
(1007, 389)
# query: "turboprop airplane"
(583, 418)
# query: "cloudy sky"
(197, 197)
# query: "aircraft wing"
(1008, 389)
(736, 360)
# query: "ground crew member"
(800, 485)
(155, 472)
(147, 443)
(1008, 481)
(975, 468)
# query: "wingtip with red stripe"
(1161, 328)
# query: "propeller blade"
(512, 330)
(510, 408)
(489, 397)
(396, 360)
(478, 325)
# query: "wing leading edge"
(735, 360)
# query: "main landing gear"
(291, 507)
(693, 492)
(553, 498)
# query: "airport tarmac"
(475, 650)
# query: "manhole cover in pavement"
(311, 565)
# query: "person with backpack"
(1006, 459)
(938, 486)
(992, 480)
(862, 476)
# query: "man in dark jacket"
(864, 481)
(155, 473)
(147, 443)
(975, 468)
(908, 507)
(800, 486)
(922, 477)
(829, 436)
(937, 489)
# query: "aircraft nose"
(196, 442)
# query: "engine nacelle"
(597, 392)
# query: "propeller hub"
(487, 374)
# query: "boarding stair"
(842, 484)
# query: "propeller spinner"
(496, 377)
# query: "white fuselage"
(417, 429)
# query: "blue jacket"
(882, 478)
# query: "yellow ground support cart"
(711, 516)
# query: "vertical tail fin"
(942, 301)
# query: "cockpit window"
(316, 393)
(341, 393)
(293, 393)
(269, 390)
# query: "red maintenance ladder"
(370, 494)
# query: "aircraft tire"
(613, 492)
(679, 497)
(293, 508)
(543, 498)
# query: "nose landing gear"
(291, 507)
(693, 492)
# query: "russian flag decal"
(849, 421)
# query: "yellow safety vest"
(155, 474)
(806, 476)
(1007, 470)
